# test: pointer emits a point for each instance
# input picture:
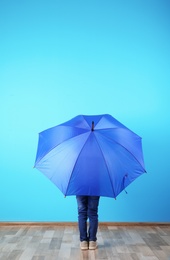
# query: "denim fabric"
(88, 209)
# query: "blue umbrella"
(90, 155)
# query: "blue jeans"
(88, 208)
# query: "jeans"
(88, 208)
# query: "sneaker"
(84, 245)
(92, 245)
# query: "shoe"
(92, 245)
(84, 245)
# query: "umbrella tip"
(92, 126)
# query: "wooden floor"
(62, 242)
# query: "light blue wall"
(63, 58)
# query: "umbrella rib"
(76, 163)
(106, 166)
(132, 155)
(55, 147)
(126, 150)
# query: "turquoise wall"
(63, 58)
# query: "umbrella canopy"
(90, 155)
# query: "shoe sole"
(92, 248)
(84, 248)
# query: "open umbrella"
(90, 155)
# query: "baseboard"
(27, 223)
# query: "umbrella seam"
(106, 166)
(76, 163)
(56, 146)
(126, 150)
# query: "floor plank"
(62, 243)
